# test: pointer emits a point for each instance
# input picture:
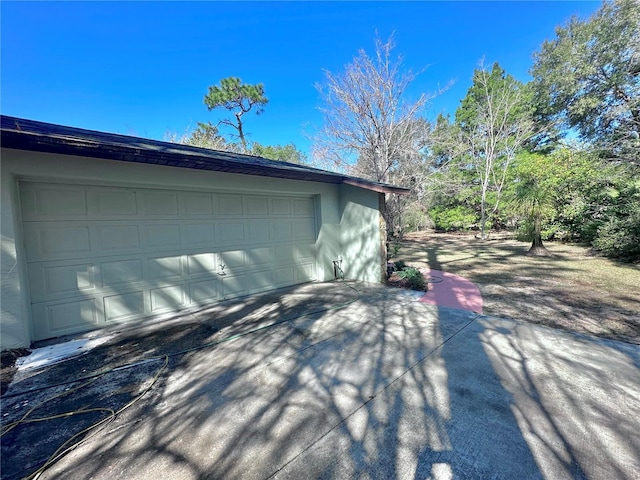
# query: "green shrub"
(589, 229)
(550, 232)
(416, 219)
(393, 248)
(414, 278)
(620, 237)
(400, 264)
(455, 218)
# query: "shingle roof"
(31, 135)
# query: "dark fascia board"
(31, 135)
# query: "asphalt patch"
(36, 424)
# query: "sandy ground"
(573, 289)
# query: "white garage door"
(99, 255)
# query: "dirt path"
(571, 290)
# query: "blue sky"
(142, 68)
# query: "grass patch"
(572, 290)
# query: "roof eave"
(376, 187)
(78, 147)
(31, 135)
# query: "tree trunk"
(483, 214)
(241, 133)
(537, 248)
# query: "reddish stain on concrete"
(449, 290)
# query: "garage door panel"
(159, 203)
(199, 204)
(123, 254)
(42, 201)
(283, 254)
(304, 230)
(280, 206)
(305, 272)
(257, 206)
(69, 279)
(261, 281)
(235, 285)
(304, 253)
(232, 259)
(118, 239)
(230, 233)
(50, 241)
(303, 206)
(258, 231)
(258, 256)
(202, 264)
(167, 298)
(56, 240)
(161, 237)
(61, 201)
(198, 234)
(60, 281)
(230, 205)
(283, 276)
(281, 231)
(203, 292)
(238, 284)
(112, 203)
(164, 268)
(121, 272)
(65, 317)
(126, 306)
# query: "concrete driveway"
(386, 387)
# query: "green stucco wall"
(347, 218)
(360, 234)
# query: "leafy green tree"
(603, 208)
(573, 195)
(619, 235)
(453, 218)
(580, 182)
(285, 153)
(494, 122)
(205, 136)
(588, 78)
(535, 185)
(237, 98)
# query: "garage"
(97, 255)
(101, 229)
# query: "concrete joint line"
(372, 397)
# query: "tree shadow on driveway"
(386, 387)
(576, 398)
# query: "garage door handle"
(222, 272)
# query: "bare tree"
(494, 121)
(370, 129)
(368, 125)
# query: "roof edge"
(33, 135)
(376, 187)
